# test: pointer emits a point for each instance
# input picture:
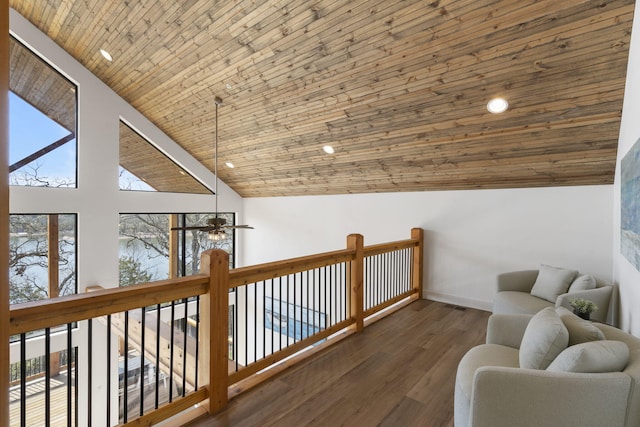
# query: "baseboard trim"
(457, 300)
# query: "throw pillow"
(592, 357)
(582, 283)
(544, 338)
(552, 282)
(580, 330)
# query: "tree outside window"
(150, 251)
(42, 256)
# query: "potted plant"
(582, 307)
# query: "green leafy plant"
(582, 306)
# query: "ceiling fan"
(215, 226)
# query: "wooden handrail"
(31, 316)
(390, 247)
(36, 315)
(256, 273)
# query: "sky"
(29, 131)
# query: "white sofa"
(492, 390)
(514, 293)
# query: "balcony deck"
(35, 414)
(399, 371)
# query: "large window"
(42, 256)
(42, 122)
(149, 250)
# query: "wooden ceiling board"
(399, 88)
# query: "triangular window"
(145, 168)
(42, 122)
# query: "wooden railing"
(84, 317)
(250, 323)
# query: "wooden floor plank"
(398, 371)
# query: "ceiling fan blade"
(238, 226)
(195, 227)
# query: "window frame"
(52, 146)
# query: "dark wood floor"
(399, 372)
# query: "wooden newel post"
(214, 326)
(418, 260)
(356, 242)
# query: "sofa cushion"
(545, 337)
(580, 330)
(552, 282)
(514, 302)
(582, 283)
(592, 357)
(483, 355)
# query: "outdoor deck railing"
(141, 354)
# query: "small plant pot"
(585, 316)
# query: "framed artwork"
(630, 206)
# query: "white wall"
(625, 274)
(471, 236)
(97, 200)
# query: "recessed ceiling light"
(106, 55)
(497, 105)
(230, 165)
(328, 149)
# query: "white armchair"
(492, 390)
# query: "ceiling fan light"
(497, 105)
(213, 235)
(217, 235)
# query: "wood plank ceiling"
(398, 88)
